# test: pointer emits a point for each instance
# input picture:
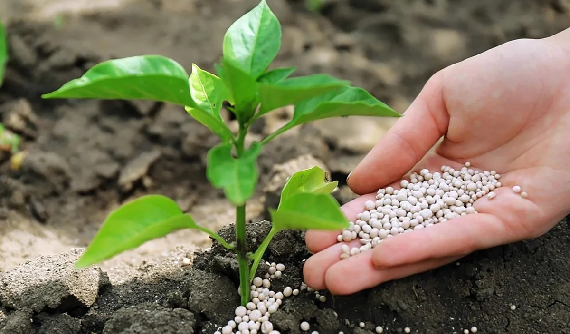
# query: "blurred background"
(84, 158)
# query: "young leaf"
(276, 75)
(311, 180)
(150, 77)
(253, 40)
(309, 211)
(3, 52)
(294, 90)
(134, 223)
(348, 101)
(242, 87)
(238, 177)
(209, 92)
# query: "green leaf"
(294, 90)
(348, 101)
(134, 223)
(309, 211)
(276, 75)
(242, 87)
(237, 176)
(150, 77)
(3, 52)
(313, 180)
(209, 92)
(253, 40)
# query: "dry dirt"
(77, 150)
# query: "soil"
(79, 154)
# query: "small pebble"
(379, 329)
(407, 329)
(517, 189)
(473, 329)
(524, 194)
(513, 307)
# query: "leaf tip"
(82, 263)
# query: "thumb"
(413, 135)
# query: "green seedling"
(9, 141)
(3, 52)
(314, 5)
(252, 90)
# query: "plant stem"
(260, 251)
(216, 236)
(243, 261)
(241, 236)
(277, 133)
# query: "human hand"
(505, 110)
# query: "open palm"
(505, 110)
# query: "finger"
(457, 237)
(317, 265)
(358, 273)
(318, 240)
(561, 39)
(406, 143)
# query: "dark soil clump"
(482, 287)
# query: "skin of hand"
(508, 110)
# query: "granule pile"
(427, 198)
(254, 317)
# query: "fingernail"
(348, 177)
